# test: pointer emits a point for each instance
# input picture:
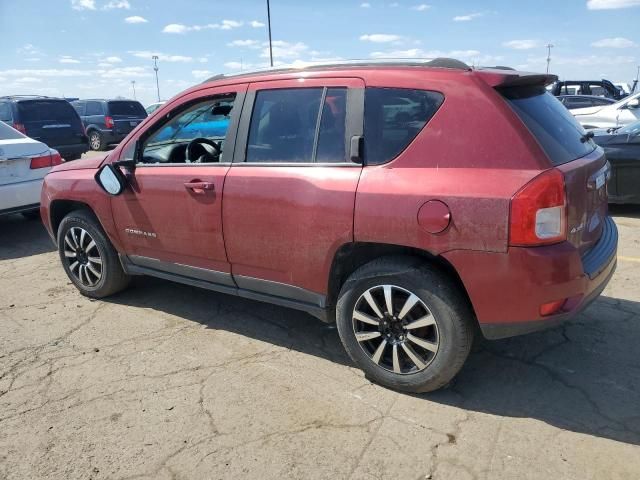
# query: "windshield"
(631, 129)
(559, 134)
(131, 109)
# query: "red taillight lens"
(108, 121)
(20, 128)
(40, 162)
(550, 308)
(539, 212)
(56, 159)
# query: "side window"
(93, 108)
(79, 106)
(331, 135)
(5, 112)
(393, 117)
(207, 121)
(283, 125)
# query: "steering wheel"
(208, 157)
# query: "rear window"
(8, 133)
(5, 112)
(133, 109)
(559, 134)
(393, 117)
(46, 111)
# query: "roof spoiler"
(512, 78)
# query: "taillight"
(539, 211)
(56, 159)
(20, 128)
(108, 121)
(40, 162)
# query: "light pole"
(133, 85)
(155, 67)
(549, 47)
(269, 24)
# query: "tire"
(446, 327)
(94, 278)
(96, 141)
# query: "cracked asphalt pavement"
(166, 381)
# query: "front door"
(170, 219)
(289, 195)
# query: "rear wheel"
(88, 257)
(404, 324)
(96, 141)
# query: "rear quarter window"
(47, 111)
(393, 117)
(133, 109)
(553, 126)
(5, 112)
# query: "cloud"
(245, 43)
(521, 44)
(124, 72)
(202, 74)
(112, 60)
(467, 18)
(616, 42)
(180, 28)
(611, 4)
(48, 72)
(380, 38)
(365, 5)
(68, 59)
(284, 50)
(394, 4)
(421, 8)
(117, 4)
(135, 19)
(83, 4)
(28, 49)
(164, 57)
(256, 24)
(469, 56)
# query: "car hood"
(586, 110)
(87, 164)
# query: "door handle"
(199, 187)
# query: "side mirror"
(111, 179)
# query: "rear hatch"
(16, 152)
(126, 115)
(51, 121)
(582, 162)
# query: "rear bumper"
(20, 197)
(507, 290)
(111, 137)
(74, 149)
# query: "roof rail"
(440, 62)
(24, 96)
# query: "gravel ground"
(167, 381)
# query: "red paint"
(449, 193)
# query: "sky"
(97, 48)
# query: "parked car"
(358, 194)
(107, 122)
(583, 101)
(48, 120)
(617, 114)
(600, 88)
(153, 107)
(622, 147)
(624, 87)
(23, 164)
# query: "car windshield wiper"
(587, 136)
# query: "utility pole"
(549, 47)
(155, 67)
(269, 24)
(133, 85)
(635, 81)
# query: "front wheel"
(404, 324)
(88, 257)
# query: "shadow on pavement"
(583, 376)
(626, 211)
(21, 237)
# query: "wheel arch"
(351, 256)
(61, 208)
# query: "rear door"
(289, 195)
(51, 121)
(126, 115)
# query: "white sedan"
(23, 164)
(613, 115)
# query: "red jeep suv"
(410, 203)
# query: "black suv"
(107, 122)
(600, 88)
(49, 120)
